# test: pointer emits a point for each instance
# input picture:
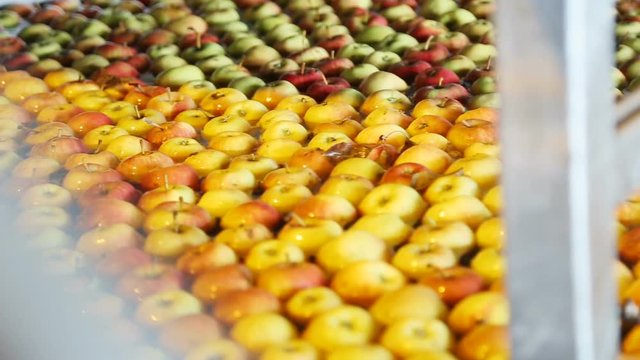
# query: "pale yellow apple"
(223, 123)
(307, 303)
(290, 130)
(233, 143)
(485, 307)
(391, 134)
(258, 331)
(326, 140)
(310, 234)
(280, 150)
(268, 253)
(173, 242)
(457, 236)
(127, 145)
(493, 199)
(205, 161)
(490, 264)
(411, 301)
(351, 187)
(448, 187)
(351, 247)
(258, 165)
(345, 325)
(398, 199)
(363, 167)
(273, 116)
(434, 158)
(152, 198)
(242, 239)
(235, 179)
(483, 149)
(167, 305)
(467, 209)
(484, 169)
(431, 139)
(180, 148)
(406, 337)
(388, 227)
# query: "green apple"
(434, 9)
(167, 62)
(89, 64)
(232, 27)
(9, 19)
(382, 80)
(160, 50)
(212, 63)
(477, 29)
(398, 12)
(457, 18)
(282, 32)
(222, 17)
(207, 7)
(355, 52)
(374, 34)
(176, 77)
(279, 67)
(35, 32)
(61, 37)
(259, 55)
(45, 48)
(619, 80)
(633, 42)
(459, 64)
(491, 100)
(632, 69)
(263, 11)
(86, 45)
(222, 76)
(293, 44)
(323, 32)
(398, 43)
(240, 46)
(480, 53)
(264, 26)
(247, 84)
(93, 27)
(625, 29)
(44, 66)
(625, 53)
(483, 85)
(358, 73)
(145, 23)
(311, 55)
(634, 84)
(194, 53)
(382, 59)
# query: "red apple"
(319, 90)
(59, 148)
(149, 279)
(302, 78)
(415, 175)
(252, 212)
(169, 130)
(234, 305)
(177, 174)
(212, 284)
(105, 212)
(409, 69)
(285, 280)
(135, 167)
(120, 190)
(88, 120)
(454, 284)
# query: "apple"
(102, 136)
(362, 283)
(219, 201)
(170, 242)
(266, 254)
(453, 284)
(242, 239)
(109, 211)
(125, 146)
(35, 167)
(386, 226)
(396, 199)
(408, 337)
(211, 284)
(415, 260)
(120, 190)
(219, 348)
(233, 306)
(233, 143)
(290, 350)
(82, 177)
(307, 303)
(207, 161)
(162, 307)
(348, 248)
(223, 123)
(121, 261)
(205, 257)
(291, 176)
(174, 213)
(182, 334)
(137, 166)
(103, 158)
(285, 280)
(249, 213)
(58, 113)
(328, 207)
(485, 170)
(32, 220)
(171, 104)
(259, 331)
(481, 308)
(102, 241)
(413, 174)
(47, 194)
(59, 148)
(177, 174)
(329, 112)
(490, 339)
(143, 280)
(344, 325)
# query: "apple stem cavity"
(443, 103)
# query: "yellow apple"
(258, 165)
(102, 136)
(128, 145)
(290, 130)
(485, 307)
(410, 302)
(258, 331)
(484, 169)
(398, 199)
(280, 150)
(223, 123)
(326, 140)
(180, 148)
(290, 350)
(345, 325)
(233, 179)
(406, 337)
(490, 264)
(417, 260)
(233, 143)
(467, 209)
(173, 242)
(363, 282)
(435, 159)
(388, 227)
(450, 186)
(206, 161)
(351, 187)
(363, 167)
(351, 247)
(493, 199)
(285, 197)
(491, 233)
(308, 303)
(391, 134)
(484, 149)
(310, 234)
(167, 305)
(369, 352)
(268, 253)
(219, 202)
(431, 139)
(242, 239)
(457, 236)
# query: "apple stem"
(466, 123)
(332, 55)
(176, 226)
(298, 219)
(383, 138)
(169, 94)
(135, 108)
(242, 59)
(180, 203)
(98, 146)
(324, 78)
(302, 68)
(141, 145)
(488, 65)
(440, 81)
(427, 44)
(166, 182)
(198, 37)
(85, 165)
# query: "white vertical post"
(558, 144)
